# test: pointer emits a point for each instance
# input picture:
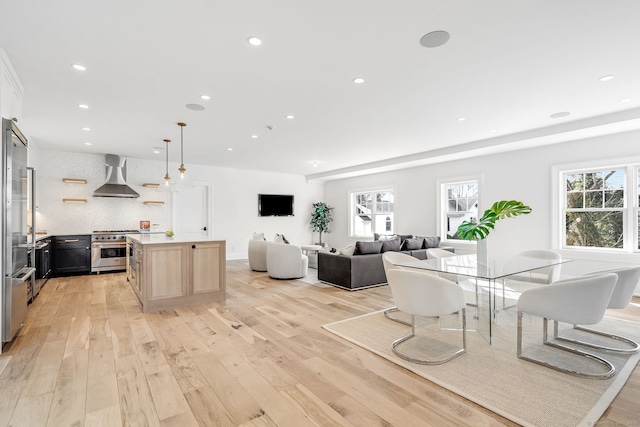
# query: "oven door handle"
(108, 245)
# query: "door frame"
(208, 185)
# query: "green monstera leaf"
(478, 230)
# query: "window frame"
(373, 191)
(631, 168)
(443, 203)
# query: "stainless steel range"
(109, 250)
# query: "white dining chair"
(518, 282)
(581, 300)
(435, 253)
(390, 260)
(425, 295)
(620, 298)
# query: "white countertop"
(161, 238)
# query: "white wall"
(524, 175)
(235, 199)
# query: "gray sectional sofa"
(364, 268)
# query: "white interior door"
(192, 209)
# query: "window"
(372, 212)
(599, 208)
(460, 203)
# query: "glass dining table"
(488, 278)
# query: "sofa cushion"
(431, 242)
(391, 245)
(258, 236)
(412, 244)
(364, 248)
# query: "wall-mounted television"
(275, 205)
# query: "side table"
(312, 252)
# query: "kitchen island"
(178, 271)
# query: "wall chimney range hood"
(116, 185)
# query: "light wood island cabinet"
(167, 272)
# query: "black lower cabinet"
(71, 254)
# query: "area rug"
(312, 279)
(493, 377)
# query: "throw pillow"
(431, 242)
(412, 244)
(365, 248)
(348, 251)
(258, 236)
(280, 239)
(383, 237)
(391, 245)
(404, 237)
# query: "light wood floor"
(88, 356)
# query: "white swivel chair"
(581, 300)
(425, 295)
(286, 261)
(258, 254)
(622, 294)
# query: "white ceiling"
(507, 67)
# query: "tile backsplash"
(98, 213)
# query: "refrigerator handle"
(33, 205)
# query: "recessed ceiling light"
(87, 143)
(83, 106)
(229, 149)
(314, 163)
(493, 130)
(195, 107)
(559, 114)
(606, 78)
(254, 41)
(86, 129)
(462, 119)
(434, 39)
(625, 100)
(254, 136)
(358, 80)
(290, 117)
(206, 97)
(156, 151)
(79, 67)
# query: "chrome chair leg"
(431, 361)
(545, 341)
(388, 315)
(634, 347)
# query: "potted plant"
(321, 219)
(480, 229)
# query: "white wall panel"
(524, 175)
(235, 199)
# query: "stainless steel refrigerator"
(16, 197)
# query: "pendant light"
(181, 168)
(167, 178)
